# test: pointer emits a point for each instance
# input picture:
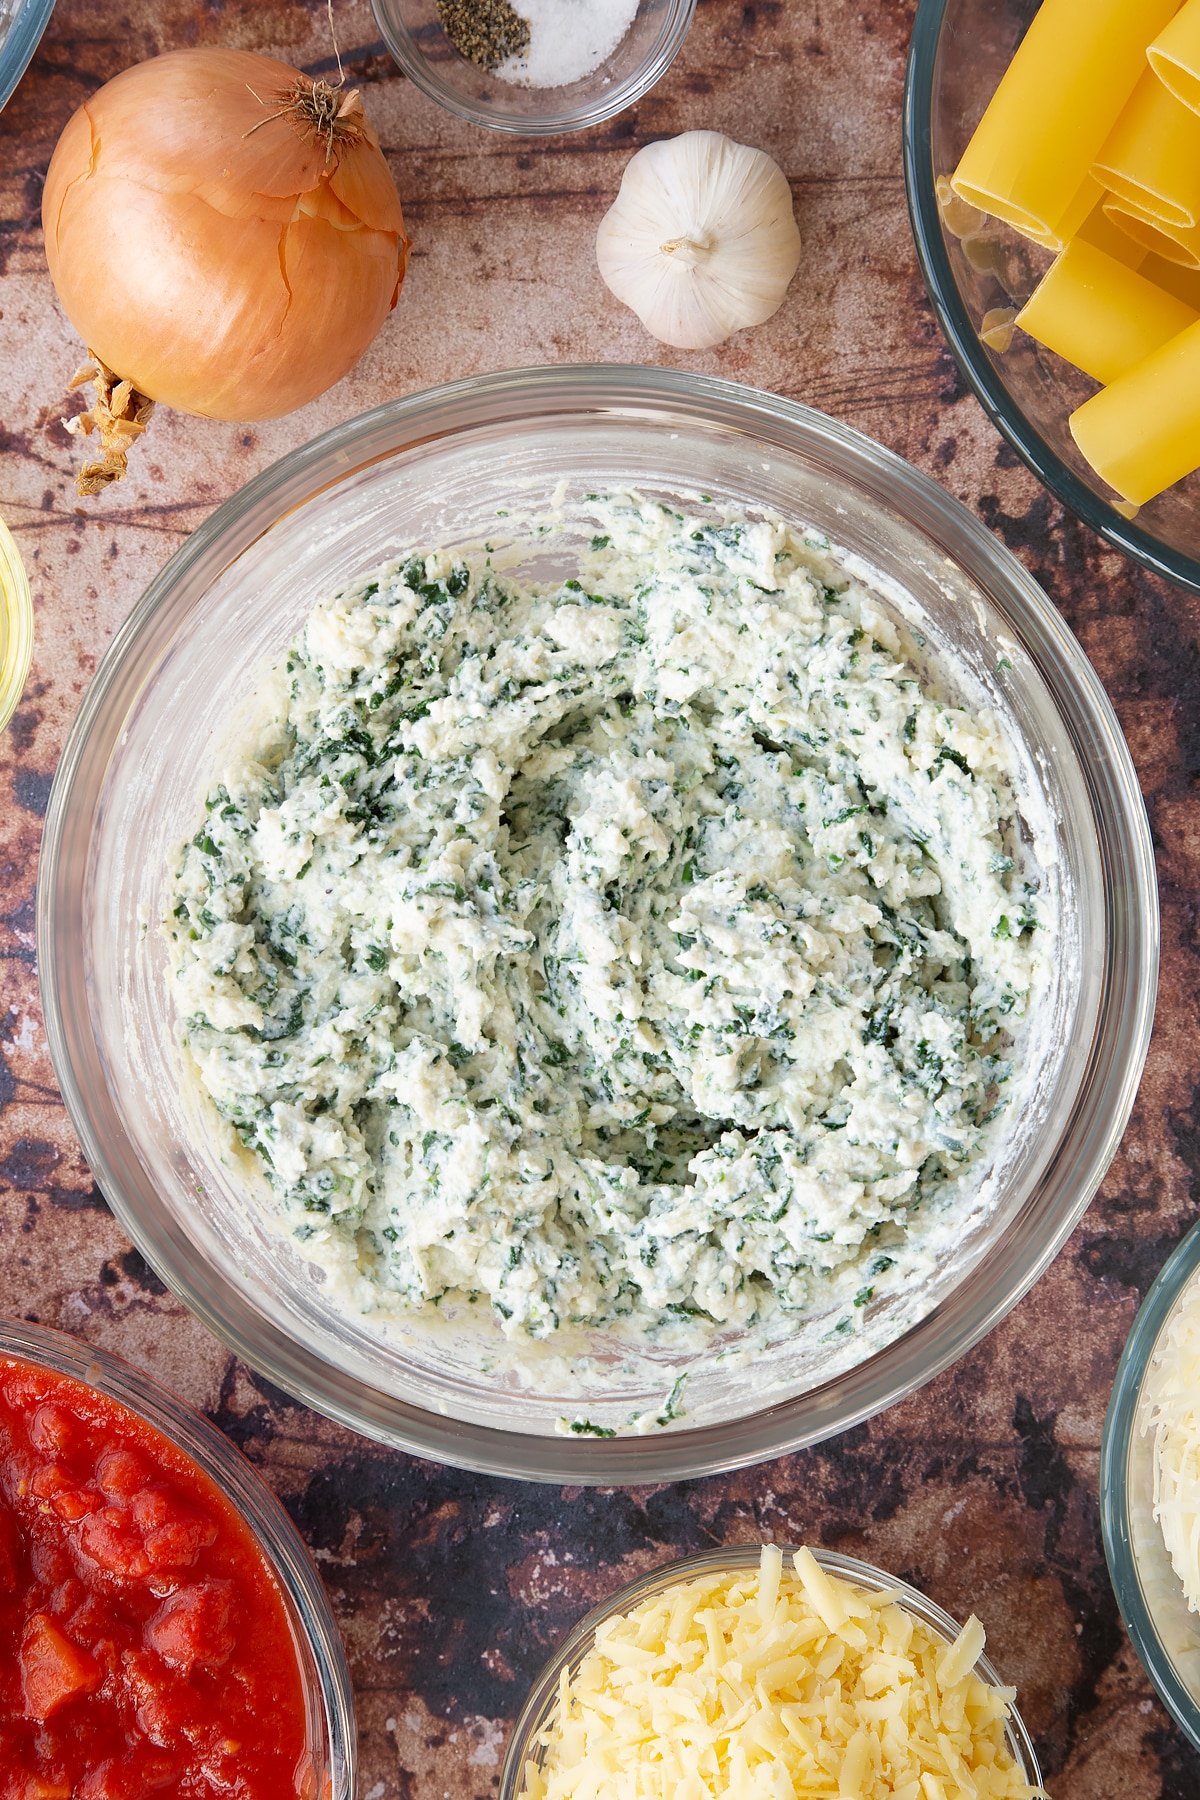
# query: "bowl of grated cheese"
(751, 1673)
(1150, 1484)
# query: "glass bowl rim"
(735, 1557)
(1115, 1444)
(579, 117)
(16, 604)
(19, 47)
(963, 338)
(261, 1511)
(931, 1345)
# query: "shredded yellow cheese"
(766, 1685)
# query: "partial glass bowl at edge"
(1165, 1634)
(325, 1678)
(22, 23)
(414, 35)
(16, 625)
(435, 468)
(540, 1708)
(960, 49)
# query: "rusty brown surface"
(451, 1588)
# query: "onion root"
(117, 416)
(318, 110)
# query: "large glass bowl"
(1165, 1634)
(413, 33)
(537, 1714)
(325, 1679)
(960, 49)
(436, 467)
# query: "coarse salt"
(568, 39)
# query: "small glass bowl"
(22, 23)
(960, 50)
(414, 35)
(328, 1695)
(537, 1714)
(1165, 1634)
(16, 625)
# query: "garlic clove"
(701, 240)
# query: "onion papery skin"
(213, 254)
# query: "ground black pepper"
(487, 32)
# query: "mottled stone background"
(451, 1588)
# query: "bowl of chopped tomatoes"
(162, 1627)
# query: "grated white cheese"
(1173, 1401)
(761, 1685)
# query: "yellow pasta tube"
(1142, 434)
(1087, 197)
(1175, 55)
(1106, 235)
(1151, 157)
(1176, 243)
(1070, 79)
(1098, 314)
(1183, 283)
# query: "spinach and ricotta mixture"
(650, 945)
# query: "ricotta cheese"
(645, 946)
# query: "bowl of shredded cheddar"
(751, 1672)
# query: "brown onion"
(223, 232)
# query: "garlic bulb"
(700, 240)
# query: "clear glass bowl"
(22, 23)
(960, 49)
(16, 625)
(436, 468)
(414, 35)
(537, 1714)
(1165, 1634)
(329, 1698)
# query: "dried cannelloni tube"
(1106, 234)
(1175, 243)
(1151, 157)
(1183, 283)
(1099, 314)
(1175, 55)
(1030, 158)
(1142, 434)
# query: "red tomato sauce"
(144, 1645)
